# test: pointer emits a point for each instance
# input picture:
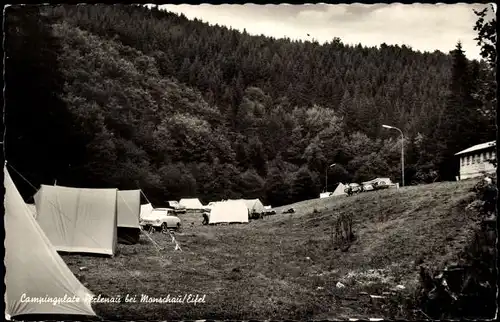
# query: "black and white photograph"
(214, 162)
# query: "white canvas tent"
(32, 208)
(254, 205)
(339, 191)
(231, 211)
(78, 220)
(146, 211)
(191, 203)
(33, 267)
(128, 208)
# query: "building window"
(473, 159)
(462, 161)
(468, 159)
(480, 158)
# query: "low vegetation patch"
(466, 287)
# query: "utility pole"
(326, 176)
(402, 153)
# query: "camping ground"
(284, 266)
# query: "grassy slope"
(284, 267)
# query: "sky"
(423, 27)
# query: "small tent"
(231, 211)
(146, 211)
(34, 269)
(129, 208)
(191, 204)
(78, 220)
(254, 206)
(339, 191)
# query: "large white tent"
(129, 208)
(34, 269)
(78, 220)
(191, 203)
(231, 211)
(254, 205)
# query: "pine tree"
(459, 127)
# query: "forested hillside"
(125, 96)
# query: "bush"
(466, 289)
(486, 190)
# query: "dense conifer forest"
(129, 97)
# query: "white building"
(474, 161)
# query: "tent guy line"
(61, 213)
(59, 280)
(142, 192)
(12, 167)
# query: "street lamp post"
(402, 153)
(326, 176)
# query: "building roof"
(477, 147)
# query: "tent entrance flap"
(129, 209)
(128, 236)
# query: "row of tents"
(226, 211)
(75, 220)
(36, 276)
(339, 191)
(366, 186)
(253, 205)
(80, 220)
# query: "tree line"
(130, 97)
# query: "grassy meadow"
(285, 266)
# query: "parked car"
(268, 211)
(159, 219)
(382, 184)
(379, 183)
(368, 187)
(353, 188)
(177, 208)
